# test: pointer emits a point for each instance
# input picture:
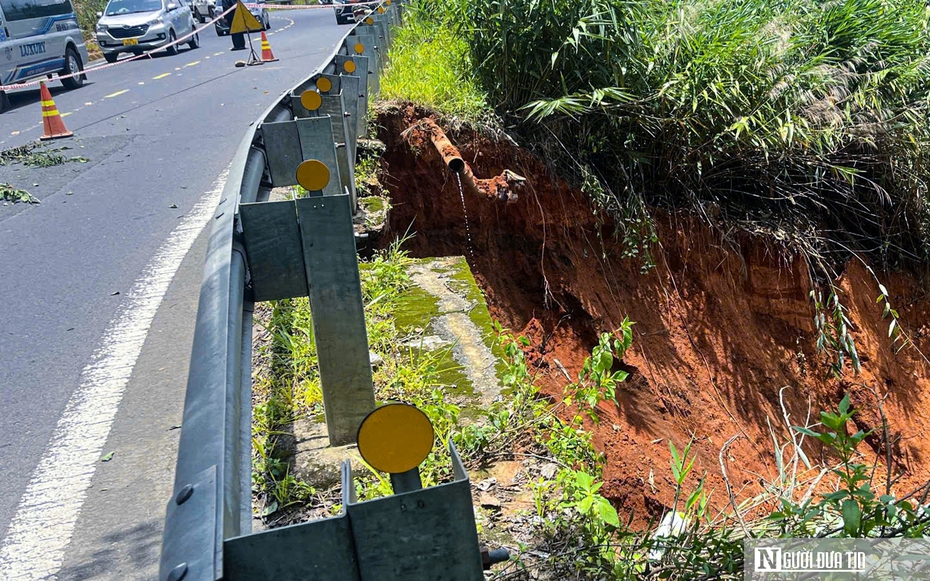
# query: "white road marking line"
(41, 529)
(217, 54)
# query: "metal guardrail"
(260, 250)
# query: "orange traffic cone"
(267, 55)
(52, 122)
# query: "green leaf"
(270, 508)
(608, 513)
(108, 456)
(605, 360)
(806, 431)
(584, 506)
(584, 480)
(851, 516)
(844, 405)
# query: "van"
(39, 38)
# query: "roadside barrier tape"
(181, 40)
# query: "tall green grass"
(804, 118)
(430, 65)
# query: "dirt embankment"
(722, 325)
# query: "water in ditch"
(471, 251)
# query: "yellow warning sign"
(244, 21)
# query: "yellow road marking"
(192, 64)
(116, 94)
(161, 76)
(66, 114)
(217, 54)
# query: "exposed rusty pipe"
(450, 155)
(501, 187)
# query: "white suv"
(139, 25)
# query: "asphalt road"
(157, 134)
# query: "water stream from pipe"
(471, 251)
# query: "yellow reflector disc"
(395, 438)
(369, 21)
(324, 84)
(380, 9)
(349, 66)
(388, 2)
(359, 48)
(311, 100)
(312, 175)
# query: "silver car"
(136, 26)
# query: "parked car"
(136, 26)
(258, 10)
(38, 39)
(204, 10)
(345, 11)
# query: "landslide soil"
(723, 323)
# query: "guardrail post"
(338, 313)
(311, 103)
(359, 65)
(347, 87)
(287, 143)
(365, 43)
(345, 154)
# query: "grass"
(290, 386)
(431, 65)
